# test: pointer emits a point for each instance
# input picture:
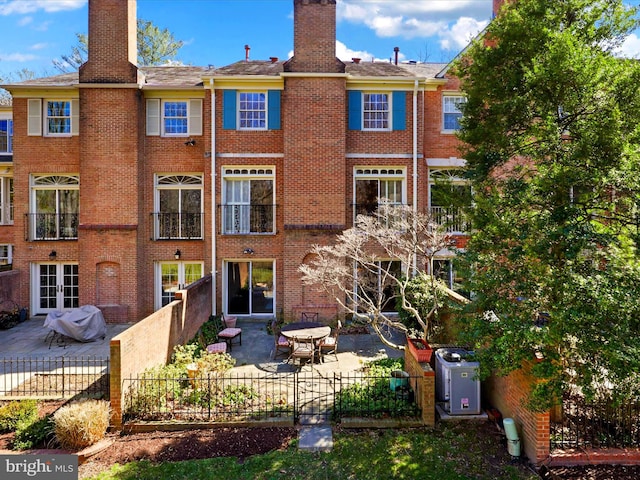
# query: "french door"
(249, 288)
(55, 287)
(174, 276)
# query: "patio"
(29, 339)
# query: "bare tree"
(360, 271)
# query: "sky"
(215, 32)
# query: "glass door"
(56, 287)
(174, 276)
(249, 288)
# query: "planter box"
(420, 349)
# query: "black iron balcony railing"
(368, 209)
(181, 226)
(248, 219)
(452, 218)
(52, 226)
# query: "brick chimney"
(314, 37)
(113, 53)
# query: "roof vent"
(356, 60)
(273, 59)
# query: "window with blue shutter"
(355, 110)
(229, 110)
(399, 110)
(274, 109)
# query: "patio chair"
(227, 334)
(281, 343)
(329, 345)
(303, 348)
(215, 347)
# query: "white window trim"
(9, 257)
(381, 173)
(177, 186)
(248, 173)
(266, 110)
(389, 126)
(74, 105)
(10, 128)
(449, 95)
(155, 125)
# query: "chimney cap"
(356, 60)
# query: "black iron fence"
(602, 424)
(54, 377)
(235, 396)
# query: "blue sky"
(215, 31)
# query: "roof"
(192, 77)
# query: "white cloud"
(630, 48)
(21, 7)
(452, 24)
(17, 57)
(25, 21)
(39, 46)
(461, 33)
(345, 54)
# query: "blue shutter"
(229, 110)
(355, 110)
(273, 109)
(399, 111)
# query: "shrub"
(18, 412)
(81, 424)
(32, 434)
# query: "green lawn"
(450, 451)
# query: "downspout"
(214, 304)
(415, 167)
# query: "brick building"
(126, 183)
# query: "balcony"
(177, 226)
(52, 226)
(248, 219)
(369, 209)
(452, 218)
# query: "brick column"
(423, 379)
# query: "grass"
(449, 452)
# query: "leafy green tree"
(155, 47)
(552, 142)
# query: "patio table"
(315, 330)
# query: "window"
(444, 269)
(6, 254)
(58, 117)
(6, 135)
(449, 195)
(55, 207)
(377, 111)
(451, 111)
(248, 196)
(374, 185)
(6, 200)
(179, 208)
(252, 111)
(174, 118)
(376, 286)
(174, 276)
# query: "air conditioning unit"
(457, 382)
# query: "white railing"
(452, 218)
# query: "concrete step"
(317, 438)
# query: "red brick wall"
(508, 395)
